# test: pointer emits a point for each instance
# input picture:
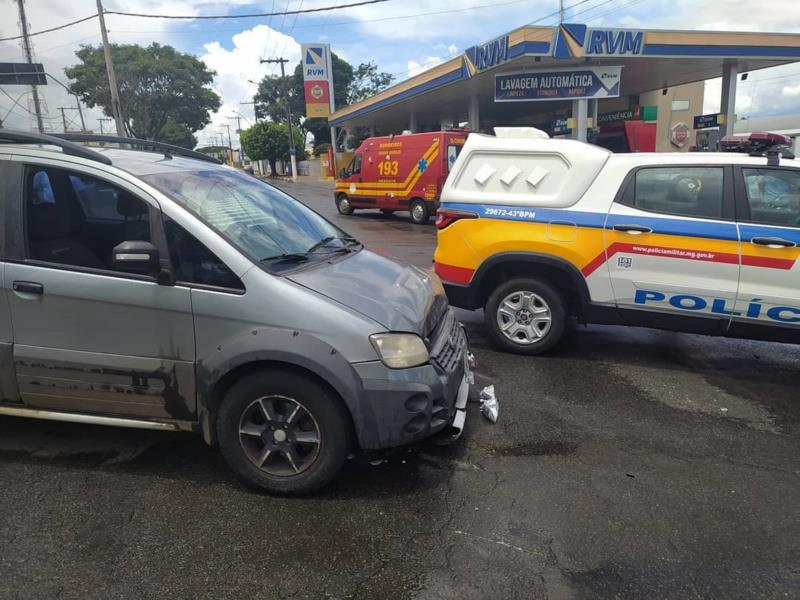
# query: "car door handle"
(633, 229)
(28, 287)
(773, 242)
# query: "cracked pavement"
(613, 472)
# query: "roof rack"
(14, 136)
(168, 149)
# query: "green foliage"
(349, 85)
(320, 149)
(367, 81)
(157, 84)
(176, 133)
(269, 141)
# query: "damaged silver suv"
(154, 288)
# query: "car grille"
(449, 343)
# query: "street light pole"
(292, 151)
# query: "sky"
(403, 37)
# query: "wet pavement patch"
(536, 448)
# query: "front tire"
(343, 205)
(283, 432)
(419, 212)
(525, 316)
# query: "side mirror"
(136, 257)
(343, 174)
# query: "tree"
(157, 84)
(269, 141)
(177, 134)
(367, 81)
(349, 86)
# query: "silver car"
(158, 289)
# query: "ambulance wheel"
(343, 205)
(525, 316)
(419, 212)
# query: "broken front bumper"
(401, 406)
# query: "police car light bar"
(759, 143)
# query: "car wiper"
(289, 257)
(329, 239)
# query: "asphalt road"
(629, 464)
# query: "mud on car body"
(160, 290)
(535, 231)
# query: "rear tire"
(283, 432)
(343, 205)
(419, 212)
(525, 316)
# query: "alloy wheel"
(524, 317)
(279, 435)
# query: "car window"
(453, 150)
(194, 262)
(355, 165)
(257, 218)
(773, 196)
(73, 219)
(688, 191)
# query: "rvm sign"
(614, 42)
(489, 54)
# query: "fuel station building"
(582, 82)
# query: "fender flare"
(532, 259)
(284, 346)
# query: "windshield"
(262, 221)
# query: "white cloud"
(235, 69)
(415, 68)
(791, 90)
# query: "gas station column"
(730, 70)
(580, 112)
(473, 114)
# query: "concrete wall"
(667, 118)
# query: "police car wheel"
(525, 316)
(419, 212)
(343, 205)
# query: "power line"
(198, 17)
(250, 15)
(376, 20)
(495, 5)
(64, 26)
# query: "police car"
(536, 231)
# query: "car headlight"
(400, 350)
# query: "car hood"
(398, 295)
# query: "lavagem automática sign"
(588, 82)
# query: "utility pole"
(80, 113)
(238, 123)
(112, 76)
(63, 117)
(238, 132)
(26, 46)
(560, 11)
(101, 121)
(230, 144)
(292, 151)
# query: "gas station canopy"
(465, 86)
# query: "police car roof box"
(522, 166)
